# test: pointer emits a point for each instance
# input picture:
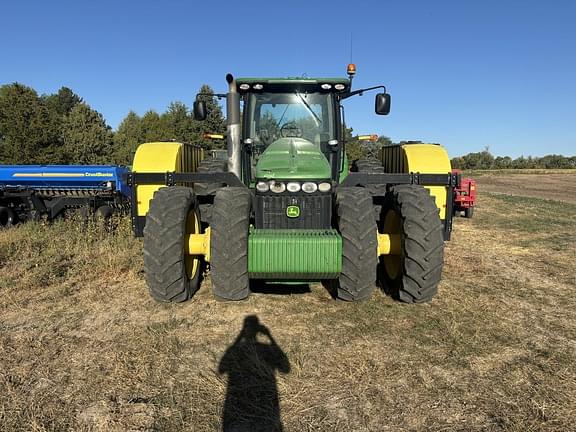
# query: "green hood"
(292, 158)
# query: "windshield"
(281, 115)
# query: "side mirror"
(382, 104)
(200, 110)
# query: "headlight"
(277, 187)
(324, 187)
(293, 187)
(109, 185)
(244, 86)
(309, 187)
(262, 187)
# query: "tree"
(127, 139)
(177, 124)
(27, 127)
(384, 141)
(87, 137)
(155, 127)
(63, 101)
(180, 122)
(214, 123)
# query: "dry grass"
(83, 347)
(515, 171)
(558, 185)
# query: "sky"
(496, 74)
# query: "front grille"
(315, 211)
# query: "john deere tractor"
(287, 205)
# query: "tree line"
(62, 128)
(484, 160)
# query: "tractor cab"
(291, 127)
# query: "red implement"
(464, 196)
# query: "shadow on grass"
(251, 362)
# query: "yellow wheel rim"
(392, 225)
(192, 261)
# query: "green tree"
(63, 101)
(155, 127)
(384, 141)
(28, 129)
(215, 121)
(127, 139)
(180, 122)
(87, 138)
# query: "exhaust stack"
(233, 127)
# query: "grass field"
(83, 347)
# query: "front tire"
(414, 275)
(359, 244)
(229, 244)
(8, 217)
(171, 274)
(468, 212)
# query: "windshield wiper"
(318, 121)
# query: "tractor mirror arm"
(361, 91)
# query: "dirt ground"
(557, 186)
(84, 348)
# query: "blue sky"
(467, 74)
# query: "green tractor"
(287, 206)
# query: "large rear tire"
(171, 274)
(210, 165)
(369, 166)
(207, 191)
(229, 244)
(414, 275)
(359, 244)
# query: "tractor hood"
(292, 158)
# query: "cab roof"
(292, 83)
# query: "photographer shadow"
(252, 401)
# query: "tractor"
(287, 206)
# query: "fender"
(162, 157)
(420, 158)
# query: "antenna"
(351, 46)
(351, 69)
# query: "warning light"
(213, 136)
(351, 69)
(372, 137)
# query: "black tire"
(104, 212)
(468, 212)
(229, 244)
(358, 228)
(369, 165)
(210, 165)
(414, 275)
(373, 166)
(85, 213)
(8, 217)
(171, 274)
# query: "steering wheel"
(291, 129)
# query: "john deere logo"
(292, 211)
